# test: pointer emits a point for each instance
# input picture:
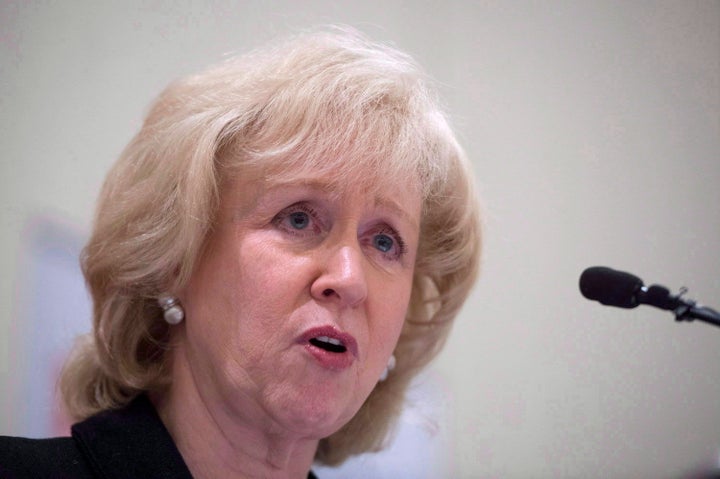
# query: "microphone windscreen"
(610, 287)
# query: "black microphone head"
(610, 287)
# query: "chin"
(317, 414)
(315, 421)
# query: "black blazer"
(128, 443)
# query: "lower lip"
(329, 360)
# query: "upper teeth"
(326, 339)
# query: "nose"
(342, 277)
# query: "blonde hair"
(325, 103)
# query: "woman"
(276, 254)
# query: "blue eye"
(383, 243)
(299, 220)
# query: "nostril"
(328, 292)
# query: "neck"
(215, 442)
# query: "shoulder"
(126, 443)
(130, 443)
(57, 457)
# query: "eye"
(299, 220)
(383, 242)
(387, 242)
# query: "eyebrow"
(396, 208)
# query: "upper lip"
(331, 332)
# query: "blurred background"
(594, 130)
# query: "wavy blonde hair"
(325, 103)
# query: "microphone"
(610, 287)
(624, 290)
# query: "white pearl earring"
(172, 311)
(390, 366)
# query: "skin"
(247, 399)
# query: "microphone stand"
(684, 309)
(690, 312)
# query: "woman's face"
(298, 301)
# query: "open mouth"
(328, 344)
(333, 349)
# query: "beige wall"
(594, 128)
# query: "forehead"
(374, 176)
(385, 171)
(352, 172)
(400, 197)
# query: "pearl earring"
(172, 311)
(390, 366)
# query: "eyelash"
(400, 247)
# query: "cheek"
(389, 316)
